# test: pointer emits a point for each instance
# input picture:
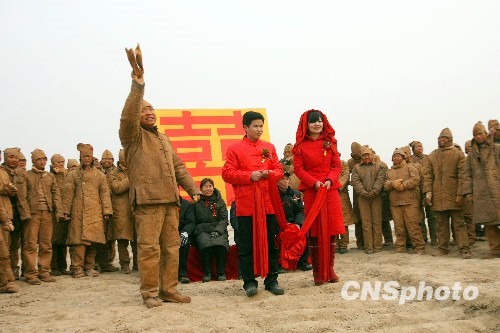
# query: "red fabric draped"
(292, 239)
(260, 253)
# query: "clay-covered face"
(58, 164)
(255, 130)
(86, 160)
(12, 161)
(480, 137)
(148, 116)
(40, 163)
(442, 141)
(418, 149)
(107, 162)
(366, 158)
(207, 189)
(22, 164)
(397, 159)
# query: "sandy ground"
(111, 302)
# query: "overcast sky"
(384, 72)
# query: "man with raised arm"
(154, 170)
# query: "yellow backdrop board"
(201, 137)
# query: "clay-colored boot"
(174, 297)
(8, 288)
(152, 302)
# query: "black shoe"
(342, 251)
(221, 277)
(207, 278)
(281, 270)
(304, 267)
(275, 289)
(251, 290)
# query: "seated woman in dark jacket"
(210, 216)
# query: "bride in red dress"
(317, 164)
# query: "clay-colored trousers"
(38, 243)
(158, 244)
(406, 222)
(371, 216)
(6, 275)
(443, 230)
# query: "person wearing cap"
(358, 226)
(368, 180)
(15, 188)
(403, 183)
(294, 213)
(421, 158)
(421, 211)
(154, 170)
(444, 190)
(86, 204)
(122, 227)
(106, 253)
(347, 212)
(72, 164)
(44, 199)
(482, 186)
(287, 163)
(22, 160)
(494, 130)
(59, 264)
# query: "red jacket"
(241, 160)
(311, 164)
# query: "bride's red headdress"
(328, 131)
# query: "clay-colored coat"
(50, 190)
(154, 168)
(16, 176)
(122, 226)
(482, 179)
(347, 212)
(86, 200)
(60, 229)
(444, 177)
(367, 178)
(411, 180)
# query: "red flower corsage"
(214, 210)
(326, 146)
(265, 155)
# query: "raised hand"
(135, 60)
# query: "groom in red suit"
(248, 165)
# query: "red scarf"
(293, 240)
